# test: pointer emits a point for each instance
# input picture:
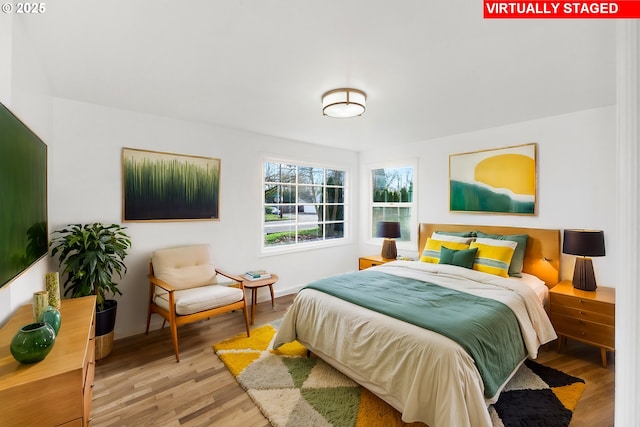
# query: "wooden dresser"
(587, 316)
(56, 391)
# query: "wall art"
(159, 186)
(501, 180)
(23, 197)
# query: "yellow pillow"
(493, 259)
(431, 252)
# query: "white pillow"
(495, 242)
(448, 238)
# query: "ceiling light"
(342, 103)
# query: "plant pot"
(105, 322)
(106, 319)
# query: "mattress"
(425, 376)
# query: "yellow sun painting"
(499, 180)
(515, 172)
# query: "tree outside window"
(392, 198)
(302, 204)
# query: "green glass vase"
(32, 342)
(51, 315)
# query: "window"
(302, 205)
(392, 199)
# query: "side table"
(254, 285)
(587, 316)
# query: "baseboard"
(279, 292)
(263, 295)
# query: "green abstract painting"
(169, 187)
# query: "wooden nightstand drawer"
(583, 304)
(583, 314)
(371, 261)
(595, 333)
(366, 263)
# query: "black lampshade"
(388, 229)
(583, 242)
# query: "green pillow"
(461, 258)
(515, 268)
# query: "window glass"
(392, 199)
(393, 184)
(302, 204)
(277, 172)
(310, 175)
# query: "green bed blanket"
(487, 329)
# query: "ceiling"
(429, 68)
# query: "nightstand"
(587, 316)
(371, 261)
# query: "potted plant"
(92, 254)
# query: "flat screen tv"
(23, 197)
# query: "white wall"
(6, 40)
(576, 178)
(86, 186)
(25, 90)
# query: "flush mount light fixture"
(343, 103)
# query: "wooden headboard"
(541, 258)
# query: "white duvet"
(424, 375)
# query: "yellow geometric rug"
(294, 390)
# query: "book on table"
(257, 275)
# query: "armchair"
(185, 287)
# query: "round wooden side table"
(254, 285)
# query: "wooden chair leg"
(174, 337)
(148, 321)
(246, 320)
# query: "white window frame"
(402, 245)
(299, 247)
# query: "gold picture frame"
(500, 180)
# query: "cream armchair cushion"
(189, 301)
(184, 267)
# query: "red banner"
(624, 9)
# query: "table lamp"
(584, 243)
(389, 230)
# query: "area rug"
(294, 390)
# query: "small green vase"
(51, 315)
(32, 342)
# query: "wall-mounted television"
(23, 197)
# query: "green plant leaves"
(91, 254)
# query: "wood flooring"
(140, 383)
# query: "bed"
(428, 376)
